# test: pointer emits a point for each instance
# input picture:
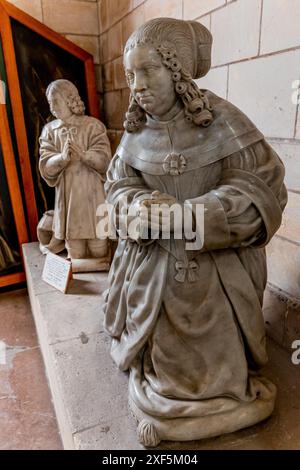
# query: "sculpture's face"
(150, 81)
(58, 106)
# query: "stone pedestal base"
(89, 265)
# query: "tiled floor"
(26, 412)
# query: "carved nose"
(140, 83)
(140, 87)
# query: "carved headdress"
(185, 47)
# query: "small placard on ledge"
(57, 272)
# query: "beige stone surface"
(32, 7)
(108, 76)
(262, 89)
(132, 21)
(216, 81)
(158, 8)
(292, 325)
(235, 30)
(99, 78)
(205, 20)
(119, 79)
(114, 41)
(112, 102)
(117, 10)
(290, 227)
(101, 101)
(91, 402)
(280, 25)
(71, 16)
(110, 12)
(103, 44)
(283, 259)
(103, 16)
(282, 317)
(193, 9)
(121, 431)
(297, 134)
(136, 3)
(289, 152)
(38, 285)
(80, 316)
(88, 43)
(274, 311)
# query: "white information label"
(57, 272)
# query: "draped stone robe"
(193, 346)
(79, 184)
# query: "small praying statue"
(74, 156)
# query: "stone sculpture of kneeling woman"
(188, 325)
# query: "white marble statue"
(74, 156)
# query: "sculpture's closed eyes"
(188, 325)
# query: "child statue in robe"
(74, 156)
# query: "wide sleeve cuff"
(215, 233)
(51, 167)
(260, 194)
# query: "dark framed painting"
(13, 229)
(33, 56)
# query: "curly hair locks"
(69, 91)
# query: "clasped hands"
(71, 151)
(151, 213)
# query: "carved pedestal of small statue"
(74, 156)
(188, 324)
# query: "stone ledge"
(282, 316)
(89, 392)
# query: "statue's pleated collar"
(160, 145)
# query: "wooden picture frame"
(10, 16)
